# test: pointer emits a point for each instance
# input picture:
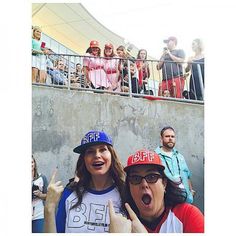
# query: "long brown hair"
(116, 172)
(36, 174)
(138, 56)
(122, 48)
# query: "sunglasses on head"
(150, 178)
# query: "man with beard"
(175, 165)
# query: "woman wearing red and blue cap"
(155, 202)
(83, 206)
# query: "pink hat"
(108, 45)
(94, 44)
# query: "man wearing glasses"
(175, 165)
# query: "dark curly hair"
(116, 172)
(173, 195)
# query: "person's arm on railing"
(43, 51)
(35, 52)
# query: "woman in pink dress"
(94, 68)
(111, 67)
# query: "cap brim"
(159, 166)
(82, 148)
(166, 41)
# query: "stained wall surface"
(61, 117)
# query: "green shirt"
(176, 167)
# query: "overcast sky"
(146, 23)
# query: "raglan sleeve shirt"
(61, 211)
(191, 217)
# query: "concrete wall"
(61, 117)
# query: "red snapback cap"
(144, 157)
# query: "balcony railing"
(124, 76)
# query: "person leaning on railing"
(38, 56)
(197, 60)
(143, 70)
(79, 75)
(122, 66)
(172, 69)
(111, 67)
(135, 88)
(124, 72)
(58, 74)
(94, 68)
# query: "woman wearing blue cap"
(83, 206)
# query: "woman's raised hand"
(118, 223)
(137, 226)
(54, 192)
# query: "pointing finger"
(53, 176)
(132, 214)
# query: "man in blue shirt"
(58, 75)
(175, 165)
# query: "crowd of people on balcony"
(118, 71)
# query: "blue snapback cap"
(93, 137)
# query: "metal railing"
(127, 76)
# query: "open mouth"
(146, 199)
(98, 164)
